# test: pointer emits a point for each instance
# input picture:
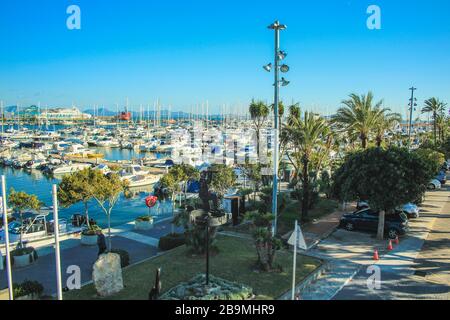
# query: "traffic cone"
(376, 257)
(397, 241)
(390, 246)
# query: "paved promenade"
(140, 245)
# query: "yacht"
(69, 168)
(137, 176)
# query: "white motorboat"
(69, 168)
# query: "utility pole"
(412, 104)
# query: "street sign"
(301, 244)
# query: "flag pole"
(294, 267)
(57, 250)
(6, 232)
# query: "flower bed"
(218, 289)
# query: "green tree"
(259, 112)
(174, 181)
(359, 116)
(436, 108)
(265, 243)
(75, 188)
(387, 178)
(21, 201)
(433, 160)
(386, 122)
(106, 190)
(223, 178)
(306, 136)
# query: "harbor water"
(126, 209)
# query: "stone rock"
(107, 274)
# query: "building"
(64, 114)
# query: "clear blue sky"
(186, 52)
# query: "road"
(426, 277)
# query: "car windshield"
(15, 227)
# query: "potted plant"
(89, 235)
(28, 290)
(24, 256)
(143, 223)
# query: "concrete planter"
(89, 240)
(23, 260)
(143, 225)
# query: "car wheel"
(431, 186)
(392, 234)
(349, 226)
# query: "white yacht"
(69, 168)
(137, 176)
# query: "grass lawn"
(233, 262)
(287, 219)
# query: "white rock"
(107, 274)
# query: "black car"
(395, 224)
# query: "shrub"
(92, 230)
(171, 241)
(27, 288)
(145, 218)
(124, 257)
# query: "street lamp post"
(412, 104)
(279, 56)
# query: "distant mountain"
(102, 112)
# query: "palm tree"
(306, 135)
(359, 116)
(385, 123)
(436, 107)
(259, 112)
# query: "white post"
(6, 232)
(57, 252)
(294, 267)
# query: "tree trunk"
(21, 229)
(86, 214)
(109, 232)
(305, 186)
(434, 126)
(364, 141)
(257, 142)
(380, 233)
(379, 141)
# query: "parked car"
(395, 224)
(446, 166)
(410, 209)
(362, 205)
(434, 184)
(442, 177)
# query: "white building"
(64, 114)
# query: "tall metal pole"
(294, 267)
(411, 108)
(275, 146)
(57, 250)
(6, 233)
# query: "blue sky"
(186, 52)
